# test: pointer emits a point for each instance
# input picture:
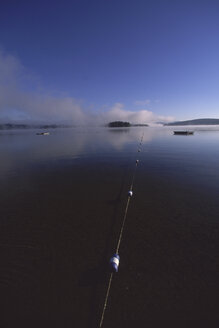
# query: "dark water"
(62, 200)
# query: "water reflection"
(23, 147)
(19, 148)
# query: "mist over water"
(24, 99)
(62, 199)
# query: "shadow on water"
(98, 276)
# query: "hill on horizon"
(200, 121)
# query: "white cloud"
(17, 103)
(118, 113)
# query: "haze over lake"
(62, 200)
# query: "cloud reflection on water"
(21, 148)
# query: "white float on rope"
(114, 262)
(130, 193)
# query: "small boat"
(42, 133)
(185, 133)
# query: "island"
(200, 121)
(119, 124)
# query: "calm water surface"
(62, 200)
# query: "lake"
(62, 202)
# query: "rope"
(123, 224)
(120, 235)
(128, 201)
(106, 299)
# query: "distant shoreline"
(201, 121)
(11, 126)
(114, 124)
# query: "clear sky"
(105, 56)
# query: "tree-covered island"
(119, 124)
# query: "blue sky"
(160, 57)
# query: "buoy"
(114, 262)
(130, 193)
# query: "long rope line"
(128, 200)
(123, 224)
(120, 235)
(106, 298)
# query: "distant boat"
(42, 133)
(185, 133)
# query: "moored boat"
(42, 133)
(183, 132)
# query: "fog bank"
(22, 100)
